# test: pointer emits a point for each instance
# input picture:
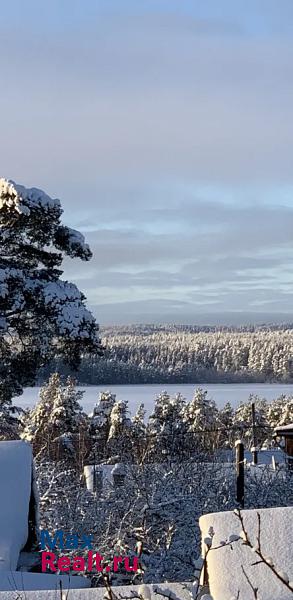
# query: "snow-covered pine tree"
(280, 411)
(138, 420)
(37, 426)
(167, 428)
(9, 423)
(201, 413)
(41, 316)
(226, 416)
(70, 424)
(139, 439)
(100, 424)
(226, 420)
(243, 421)
(57, 427)
(118, 443)
(202, 420)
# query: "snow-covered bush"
(157, 510)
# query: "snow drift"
(16, 481)
(225, 574)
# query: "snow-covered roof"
(91, 470)
(225, 564)
(286, 428)
(119, 469)
(16, 482)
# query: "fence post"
(240, 473)
(253, 449)
(254, 455)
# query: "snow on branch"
(72, 316)
(22, 200)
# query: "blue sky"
(165, 128)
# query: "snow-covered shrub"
(157, 509)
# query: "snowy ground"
(180, 591)
(135, 394)
(225, 564)
(20, 581)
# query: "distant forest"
(187, 354)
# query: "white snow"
(107, 474)
(76, 239)
(16, 482)
(20, 580)
(119, 469)
(265, 457)
(178, 590)
(73, 316)
(21, 199)
(285, 428)
(16, 475)
(226, 578)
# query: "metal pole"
(240, 473)
(253, 449)
(94, 477)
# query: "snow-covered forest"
(175, 427)
(174, 354)
(172, 470)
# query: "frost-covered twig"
(280, 575)
(254, 590)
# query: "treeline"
(57, 425)
(146, 329)
(181, 354)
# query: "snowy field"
(146, 393)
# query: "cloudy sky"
(165, 127)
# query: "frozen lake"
(146, 393)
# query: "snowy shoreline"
(134, 394)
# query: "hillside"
(189, 354)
